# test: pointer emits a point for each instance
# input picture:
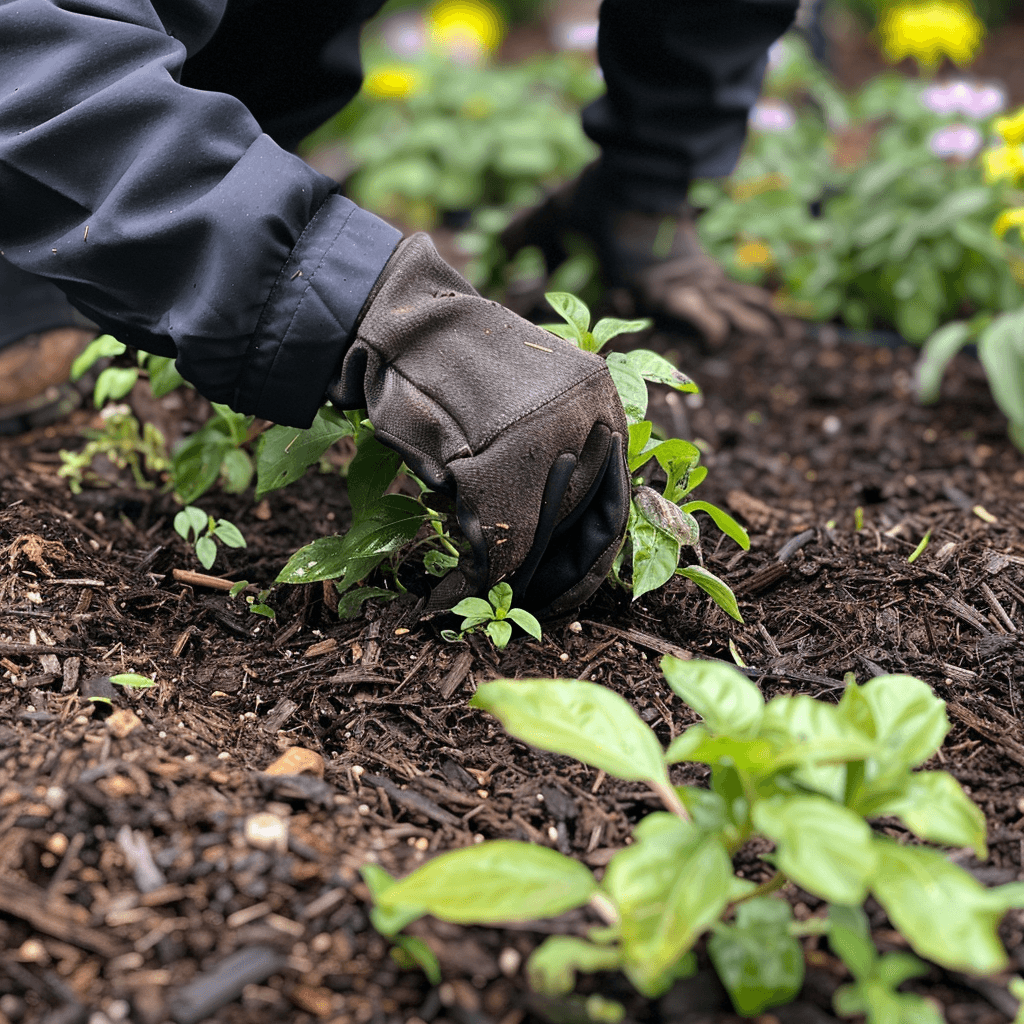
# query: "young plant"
(806, 775)
(660, 523)
(493, 616)
(203, 531)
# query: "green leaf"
(196, 464)
(382, 528)
(419, 953)
(650, 366)
(573, 311)
(227, 533)
(206, 551)
(904, 716)
(350, 604)
(758, 961)
(236, 471)
(99, 348)
(500, 596)
(439, 563)
(944, 914)
(1001, 351)
(133, 681)
(190, 520)
(655, 553)
(552, 967)
(667, 516)
(722, 520)
(371, 472)
(566, 331)
(934, 806)
(849, 936)
(113, 383)
(285, 453)
(474, 608)
(390, 920)
(611, 327)
(493, 883)
(729, 703)
(679, 460)
(580, 719)
(717, 589)
(639, 435)
(751, 757)
(499, 631)
(525, 621)
(936, 354)
(630, 386)
(821, 845)
(669, 888)
(238, 588)
(163, 377)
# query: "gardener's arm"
(164, 212)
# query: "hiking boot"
(35, 389)
(653, 263)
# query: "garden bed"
(799, 437)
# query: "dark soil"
(798, 435)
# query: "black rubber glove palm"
(522, 429)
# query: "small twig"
(997, 608)
(199, 579)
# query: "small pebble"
(509, 961)
(575, 627)
(266, 832)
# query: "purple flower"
(772, 116)
(977, 101)
(575, 35)
(405, 34)
(955, 140)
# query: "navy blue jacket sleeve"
(165, 214)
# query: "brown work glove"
(521, 428)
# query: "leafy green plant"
(660, 523)
(431, 134)
(802, 773)
(493, 616)
(203, 531)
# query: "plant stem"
(670, 798)
(776, 882)
(604, 908)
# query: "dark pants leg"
(681, 76)
(293, 66)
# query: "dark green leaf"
(350, 604)
(580, 719)
(371, 472)
(758, 961)
(500, 596)
(284, 453)
(667, 516)
(438, 563)
(655, 554)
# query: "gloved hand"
(521, 428)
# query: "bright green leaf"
(133, 681)
(655, 554)
(493, 883)
(206, 551)
(580, 719)
(722, 520)
(573, 310)
(718, 590)
(650, 366)
(500, 632)
(730, 704)
(99, 348)
(525, 621)
(611, 327)
(500, 596)
(227, 533)
(630, 386)
(821, 845)
(552, 967)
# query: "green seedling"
(919, 550)
(493, 617)
(794, 772)
(203, 531)
(132, 681)
(661, 523)
(120, 442)
(257, 605)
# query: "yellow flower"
(1009, 219)
(754, 254)
(1012, 128)
(391, 83)
(1003, 162)
(929, 29)
(465, 27)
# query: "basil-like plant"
(660, 523)
(493, 616)
(805, 774)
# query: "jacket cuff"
(309, 320)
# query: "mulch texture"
(157, 863)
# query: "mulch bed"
(136, 882)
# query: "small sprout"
(203, 531)
(132, 681)
(919, 550)
(858, 518)
(494, 618)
